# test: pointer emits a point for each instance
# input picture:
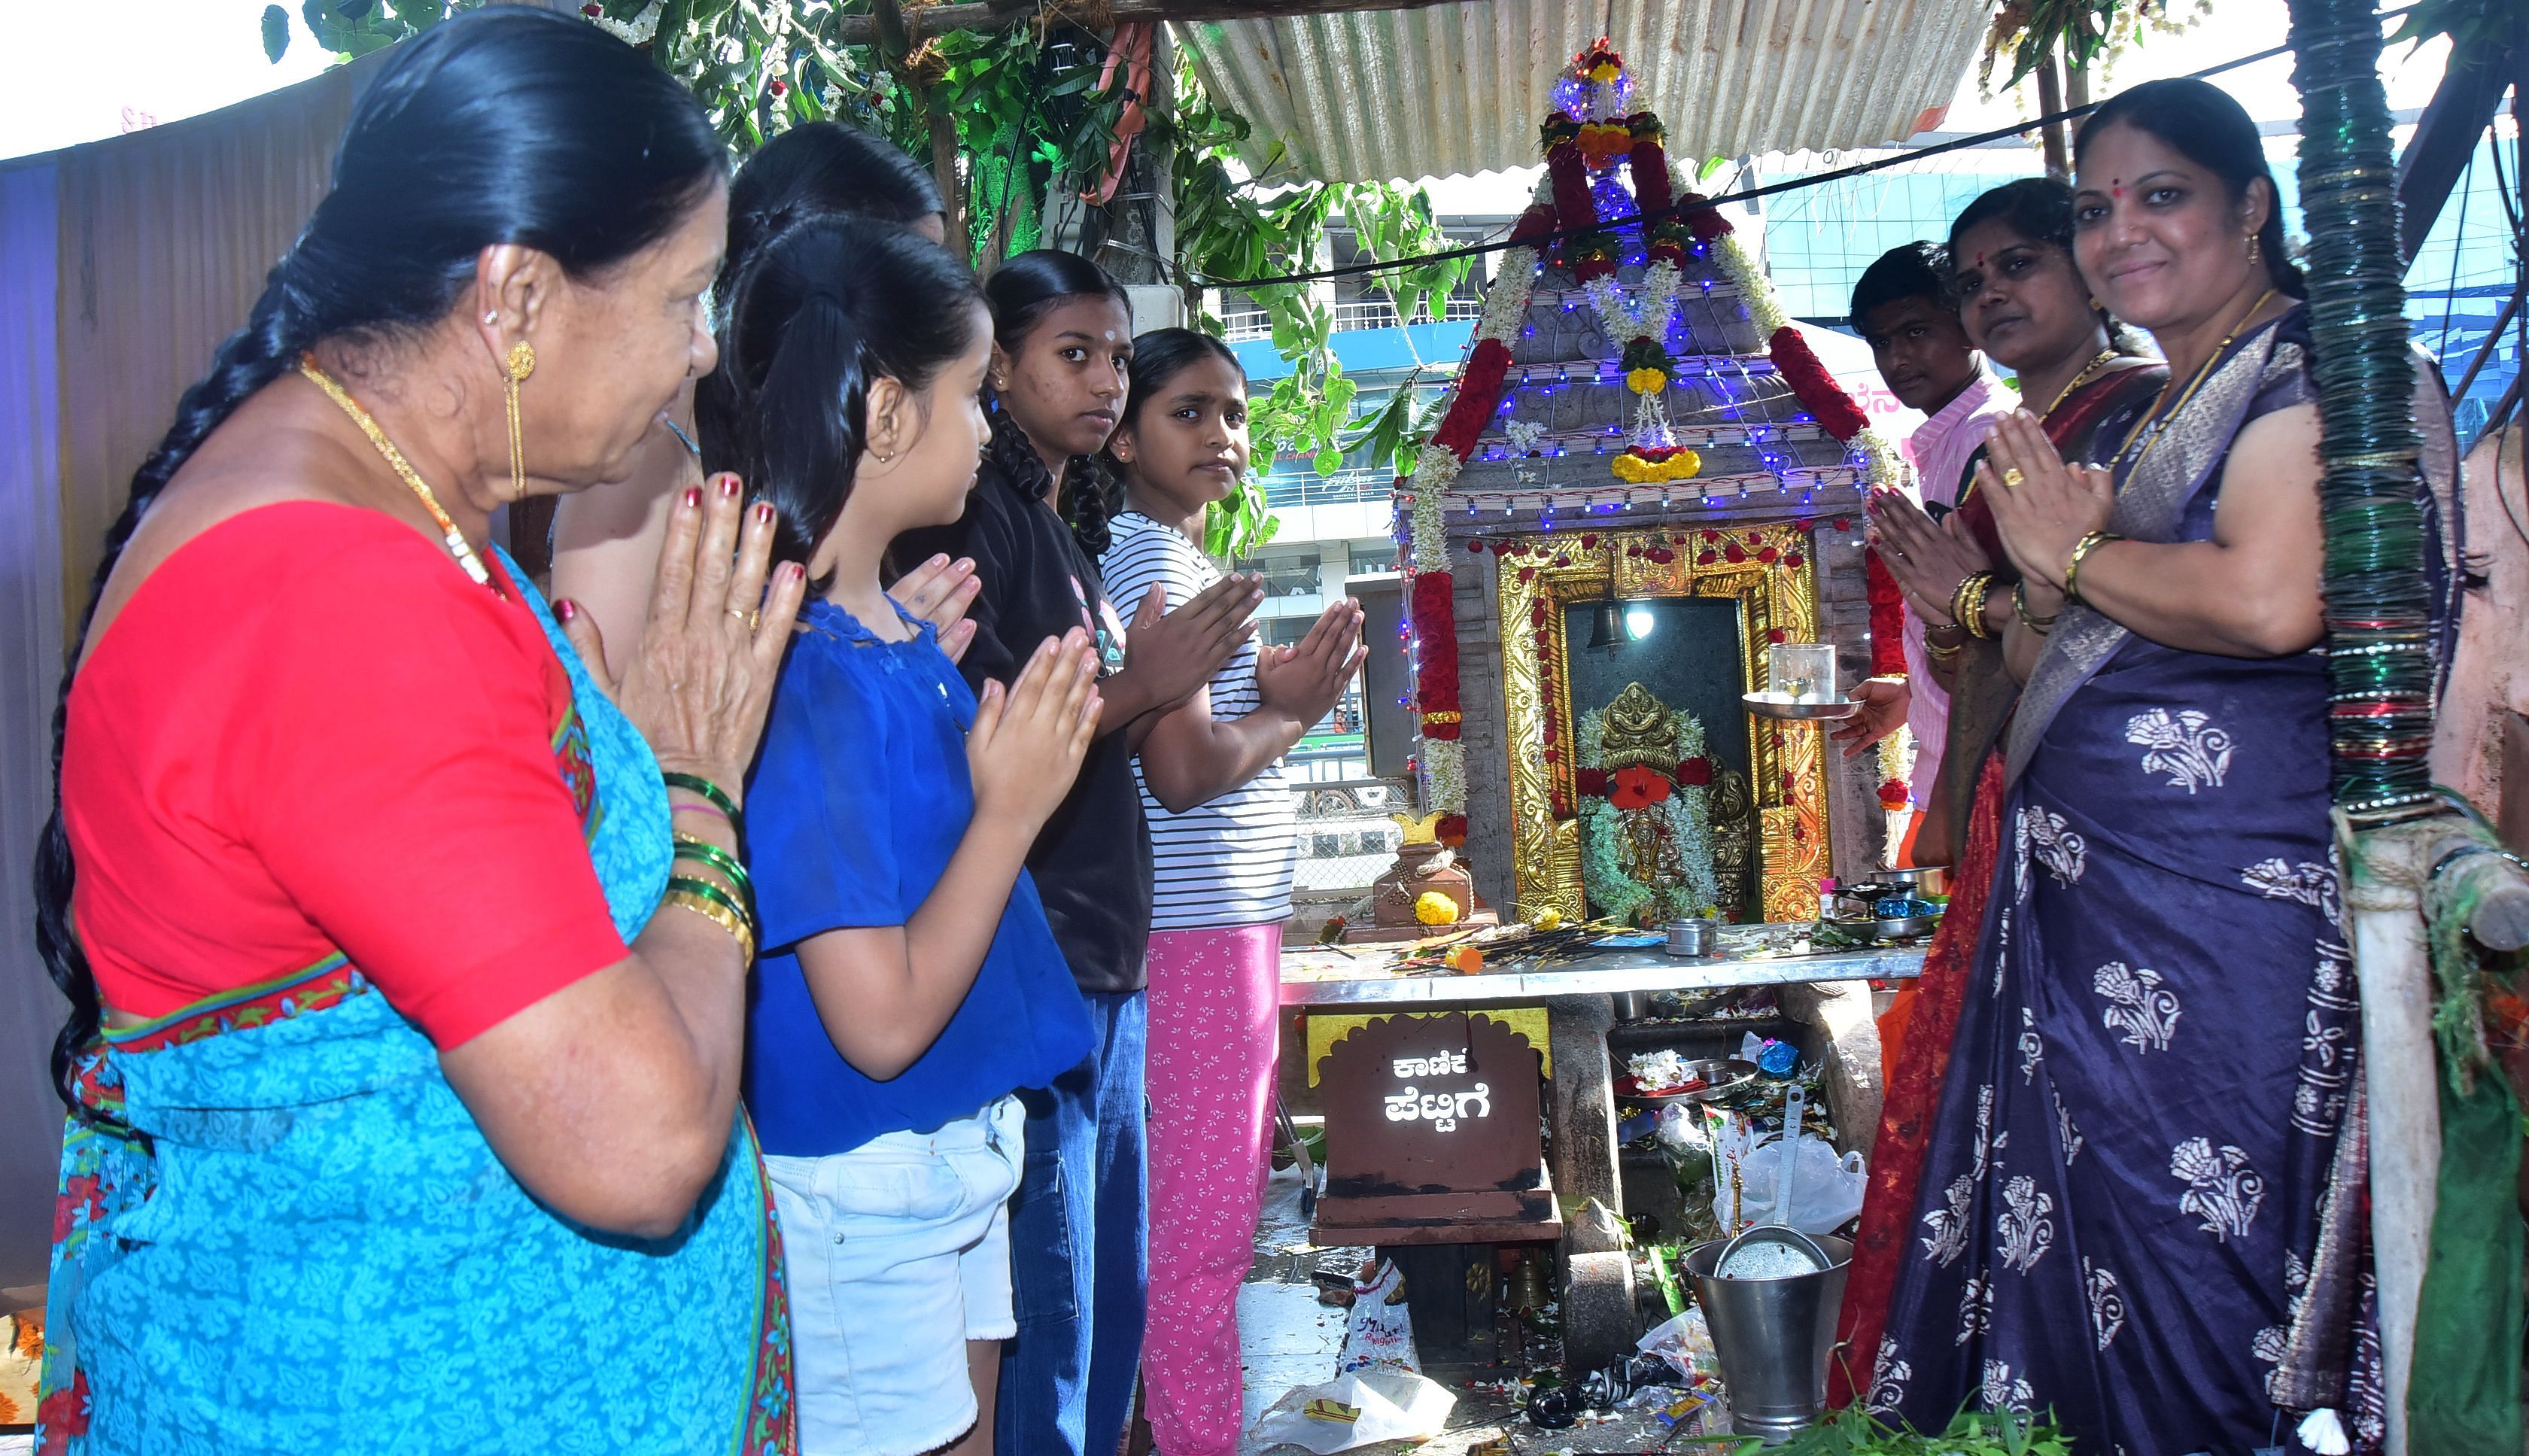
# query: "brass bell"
(1527, 1291)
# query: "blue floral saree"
(284, 1233)
(2120, 1217)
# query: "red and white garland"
(1563, 202)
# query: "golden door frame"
(1787, 781)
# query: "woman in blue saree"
(406, 949)
(2134, 1213)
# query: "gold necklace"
(456, 539)
(2104, 355)
(2157, 421)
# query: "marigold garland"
(1655, 465)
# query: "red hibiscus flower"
(1637, 788)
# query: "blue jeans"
(1079, 1251)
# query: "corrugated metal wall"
(1459, 88)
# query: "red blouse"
(309, 730)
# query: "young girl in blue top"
(909, 982)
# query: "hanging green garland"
(2380, 662)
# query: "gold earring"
(521, 363)
(2256, 255)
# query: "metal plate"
(1721, 1076)
(1776, 705)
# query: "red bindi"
(2117, 188)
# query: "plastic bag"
(1826, 1190)
(1374, 1405)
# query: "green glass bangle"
(712, 792)
(689, 849)
(714, 894)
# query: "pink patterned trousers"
(1213, 995)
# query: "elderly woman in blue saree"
(407, 946)
(2140, 1210)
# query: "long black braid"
(1092, 496)
(1022, 291)
(505, 126)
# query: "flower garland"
(1436, 686)
(1563, 199)
(1677, 799)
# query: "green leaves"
(1854, 1432)
(2471, 25)
(276, 32)
(2084, 32)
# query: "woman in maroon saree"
(2024, 302)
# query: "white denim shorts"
(898, 1254)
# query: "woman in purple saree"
(2126, 1218)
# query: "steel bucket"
(1773, 1337)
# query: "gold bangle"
(2020, 608)
(719, 915)
(1967, 604)
(2072, 565)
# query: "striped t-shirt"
(1228, 861)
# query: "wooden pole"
(944, 171)
(2050, 100)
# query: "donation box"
(1432, 1135)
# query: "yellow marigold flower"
(1431, 907)
(1647, 380)
(1548, 918)
(1631, 467)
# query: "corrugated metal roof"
(1454, 88)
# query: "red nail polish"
(764, 511)
(729, 487)
(565, 609)
(793, 571)
(693, 497)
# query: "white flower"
(1505, 309)
(2141, 1009)
(1445, 775)
(2026, 1230)
(2184, 746)
(2222, 1189)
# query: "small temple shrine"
(1642, 479)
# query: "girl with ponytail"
(910, 982)
(605, 541)
(399, 1015)
(1062, 344)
